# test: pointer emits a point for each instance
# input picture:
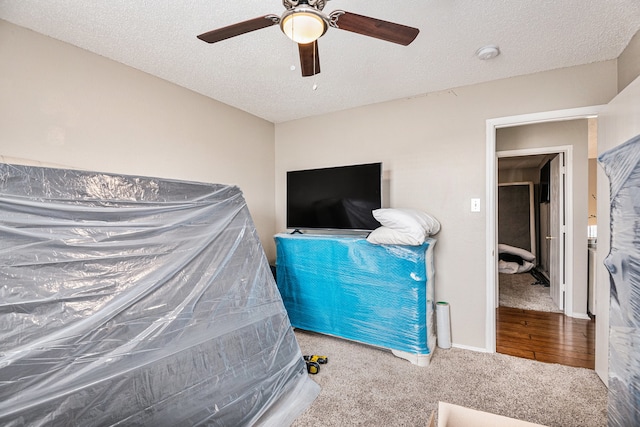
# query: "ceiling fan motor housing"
(304, 24)
(316, 4)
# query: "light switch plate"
(475, 205)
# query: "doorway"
(531, 224)
(566, 239)
(530, 319)
(491, 160)
(557, 219)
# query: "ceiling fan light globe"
(304, 26)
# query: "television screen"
(334, 198)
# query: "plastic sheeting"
(138, 301)
(347, 287)
(622, 166)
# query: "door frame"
(491, 189)
(566, 212)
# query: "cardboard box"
(458, 416)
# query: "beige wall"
(66, 106)
(574, 133)
(433, 150)
(629, 63)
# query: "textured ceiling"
(252, 72)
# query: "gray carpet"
(363, 385)
(517, 291)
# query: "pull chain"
(293, 51)
(315, 76)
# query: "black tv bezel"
(295, 228)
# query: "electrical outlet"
(475, 205)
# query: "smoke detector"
(488, 52)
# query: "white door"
(556, 231)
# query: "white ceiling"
(252, 71)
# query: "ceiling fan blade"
(372, 27)
(239, 28)
(309, 59)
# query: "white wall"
(63, 105)
(574, 133)
(433, 150)
(619, 122)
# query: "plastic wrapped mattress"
(380, 295)
(140, 302)
(622, 166)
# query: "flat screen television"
(339, 198)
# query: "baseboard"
(421, 360)
(468, 347)
(584, 316)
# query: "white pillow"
(388, 236)
(522, 253)
(409, 221)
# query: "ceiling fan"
(304, 22)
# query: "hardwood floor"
(547, 337)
